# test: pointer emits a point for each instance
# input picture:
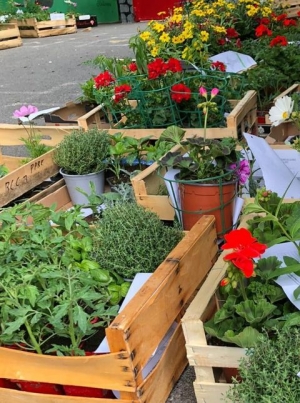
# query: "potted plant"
(53, 297)
(83, 157)
(270, 370)
(136, 239)
(208, 173)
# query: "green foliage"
(83, 152)
(50, 289)
(269, 370)
(201, 158)
(136, 239)
(3, 170)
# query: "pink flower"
(203, 92)
(25, 111)
(214, 92)
(242, 169)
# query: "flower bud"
(214, 92)
(234, 284)
(224, 282)
(203, 92)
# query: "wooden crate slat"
(15, 396)
(167, 371)
(26, 177)
(208, 393)
(11, 134)
(110, 371)
(165, 293)
(31, 28)
(10, 36)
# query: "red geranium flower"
(279, 40)
(262, 30)
(238, 43)
(232, 33)
(264, 21)
(224, 282)
(132, 67)
(180, 92)
(157, 68)
(245, 247)
(174, 65)
(218, 66)
(289, 22)
(121, 91)
(103, 79)
(221, 41)
(281, 17)
(298, 13)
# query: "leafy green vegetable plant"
(53, 296)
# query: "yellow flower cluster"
(186, 33)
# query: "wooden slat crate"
(241, 119)
(148, 184)
(31, 28)
(291, 7)
(208, 360)
(132, 337)
(9, 36)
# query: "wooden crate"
(148, 183)
(9, 36)
(291, 7)
(207, 359)
(132, 337)
(31, 28)
(281, 132)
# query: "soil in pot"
(230, 373)
(113, 180)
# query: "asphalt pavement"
(47, 72)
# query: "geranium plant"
(250, 301)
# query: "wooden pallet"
(9, 36)
(31, 28)
(132, 337)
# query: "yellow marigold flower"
(154, 52)
(150, 43)
(266, 11)
(164, 37)
(204, 36)
(218, 29)
(161, 13)
(158, 27)
(251, 11)
(145, 35)
(176, 18)
(198, 13)
(178, 10)
(231, 6)
(188, 34)
(188, 25)
(178, 39)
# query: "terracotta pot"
(208, 199)
(39, 387)
(230, 373)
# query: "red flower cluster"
(180, 92)
(218, 66)
(121, 91)
(262, 30)
(232, 33)
(279, 40)
(281, 17)
(245, 247)
(132, 67)
(158, 67)
(264, 21)
(103, 80)
(289, 22)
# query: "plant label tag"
(298, 374)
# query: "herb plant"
(269, 370)
(130, 239)
(83, 152)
